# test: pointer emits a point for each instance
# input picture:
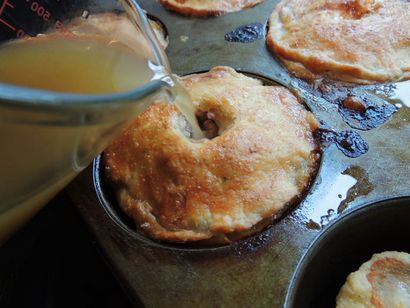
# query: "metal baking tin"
(347, 243)
(255, 272)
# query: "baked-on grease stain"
(361, 114)
(246, 33)
(358, 107)
(350, 143)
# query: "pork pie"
(383, 281)
(356, 41)
(208, 7)
(261, 157)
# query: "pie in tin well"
(208, 7)
(260, 159)
(355, 41)
(383, 281)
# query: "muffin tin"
(258, 271)
(344, 246)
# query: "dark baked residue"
(246, 33)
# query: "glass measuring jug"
(67, 87)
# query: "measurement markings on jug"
(35, 7)
(6, 5)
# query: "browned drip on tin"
(350, 143)
(359, 107)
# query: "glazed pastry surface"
(261, 157)
(383, 281)
(356, 41)
(208, 7)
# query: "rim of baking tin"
(315, 245)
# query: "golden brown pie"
(208, 7)
(261, 157)
(358, 41)
(383, 281)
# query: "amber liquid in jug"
(36, 161)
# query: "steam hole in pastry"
(207, 123)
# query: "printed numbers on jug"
(39, 10)
(7, 7)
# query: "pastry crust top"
(357, 41)
(208, 7)
(383, 281)
(178, 189)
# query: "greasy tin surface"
(254, 272)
